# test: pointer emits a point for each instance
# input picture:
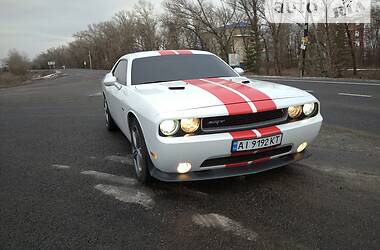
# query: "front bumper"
(229, 172)
(170, 151)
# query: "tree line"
(269, 48)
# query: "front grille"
(242, 122)
(247, 157)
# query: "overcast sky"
(32, 26)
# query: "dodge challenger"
(190, 116)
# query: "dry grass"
(8, 79)
(366, 74)
(294, 72)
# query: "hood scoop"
(177, 88)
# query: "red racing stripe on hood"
(261, 101)
(234, 103)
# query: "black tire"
(141, 160)
(110, 123)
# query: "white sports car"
(190, 116)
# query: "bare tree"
(212, 23)
(214, 26)
(147, 25)
(17, 62)
(252, 10)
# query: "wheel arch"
(130, 117)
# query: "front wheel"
(141, 159)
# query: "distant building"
(241, 34)
(3, 66)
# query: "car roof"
(162, 52)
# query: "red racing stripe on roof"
(184, 52)
(166, 52)
(261, 101)
(234, 103)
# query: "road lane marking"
(132, 192)
(224, 223)
(110, 177)
(195, 193)
(95, 94)
(128, 195)
(367, 181)
(120, 159)
(343, 172)
(58, 166)
(356, 95)
(321, 81)
(183, 191)
(310, 91)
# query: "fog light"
(183, 167)
(302, 147)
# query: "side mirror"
(239, 70)
(109, 80)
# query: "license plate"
(258, 143)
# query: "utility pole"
(89, 58)
(305, 38)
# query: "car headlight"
(190, 125)
(295, 111)
(309, 109)
(169, 127)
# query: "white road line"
(110, 177)
(58, 166)
(314, 81)
(345, 173)
(357, 95)
(194, 193)
(96, 94)
(310, 91)
(128, 195)
(120, 159)
(225, 224)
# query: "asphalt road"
(66, 182)
(352, 104)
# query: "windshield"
(178, 67)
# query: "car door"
(116, 93)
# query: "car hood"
(180, 95)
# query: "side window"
(120, 72)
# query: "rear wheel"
(110, 123)
(141, 159)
